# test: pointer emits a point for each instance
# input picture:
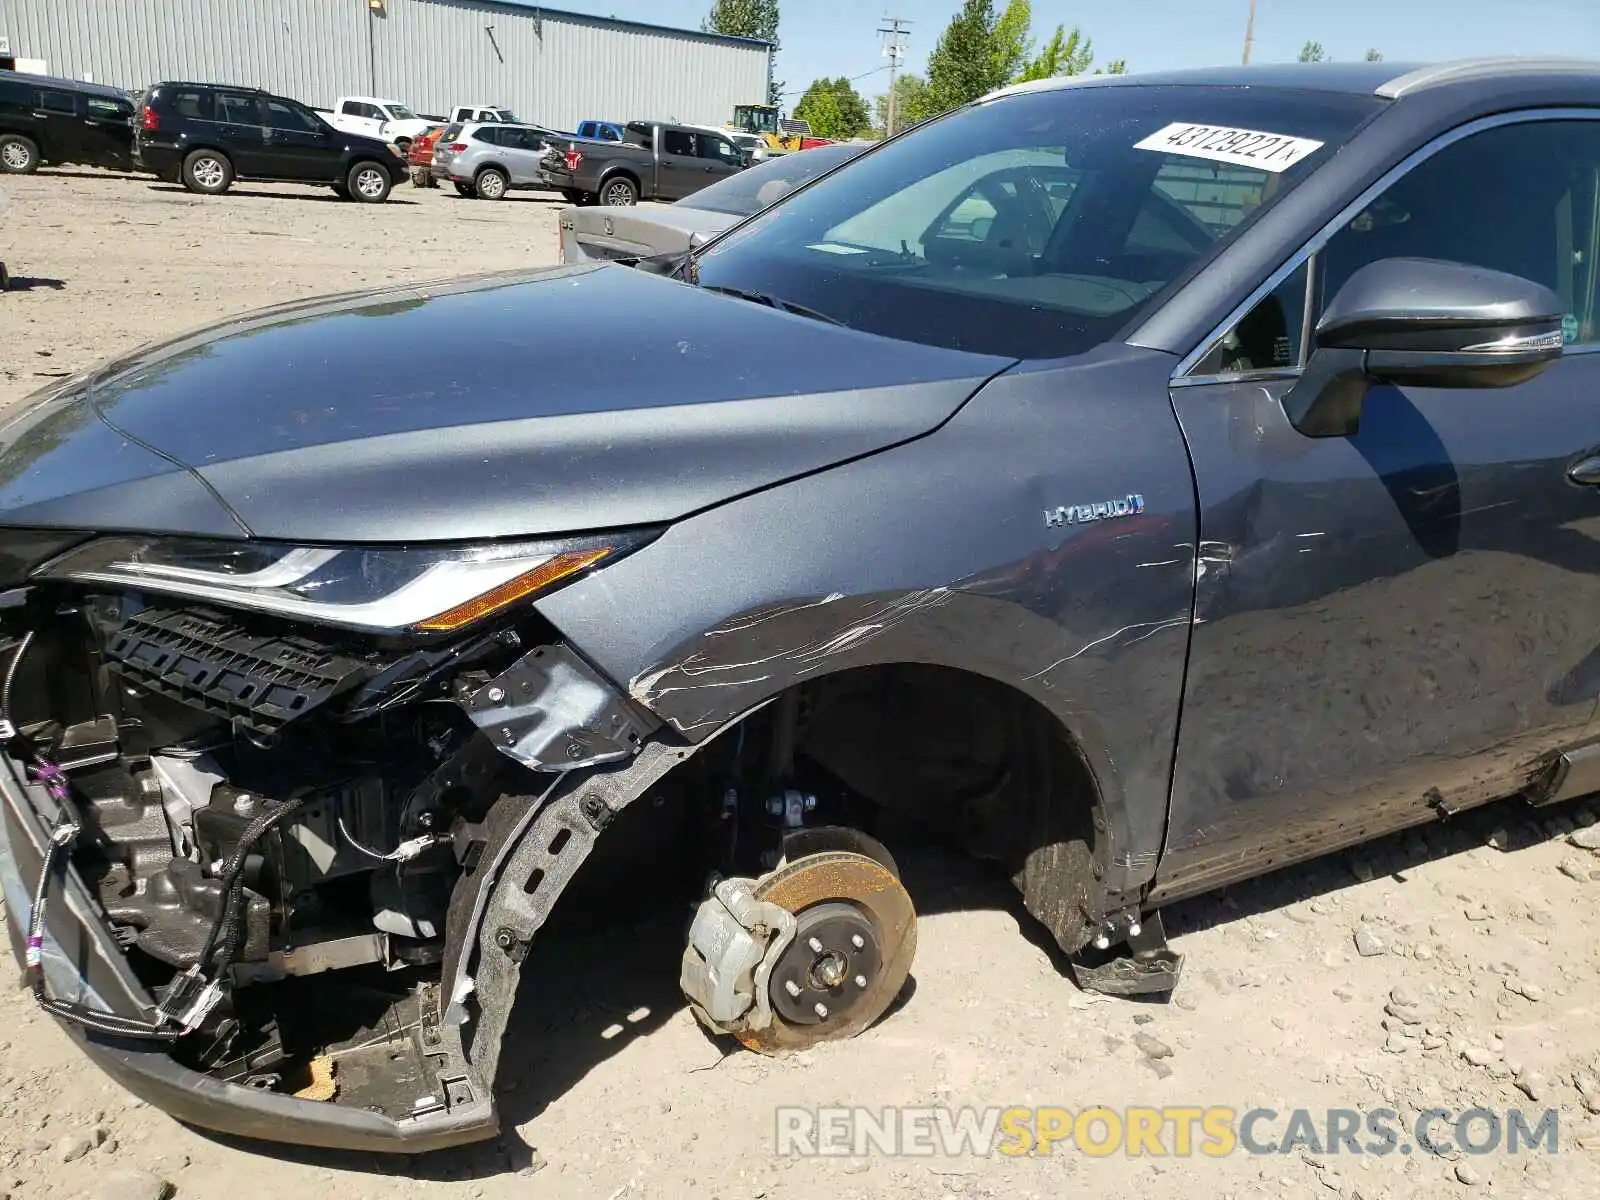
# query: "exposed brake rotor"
(855, 936)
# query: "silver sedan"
(590, 234)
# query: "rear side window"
(238, 110)
(490, 137)
(192, 103)
(108, 109)
(58, 102)
(676, 141)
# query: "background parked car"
(207, 135)
(656, 162)
(371, 116)
(592, 233)
(419, 156)
(46, 120)
(487, 160)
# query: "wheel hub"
(855, 937)
(830, 966)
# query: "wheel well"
(619, 173)
(937, 754)
(491, 167)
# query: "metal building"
(550, 65)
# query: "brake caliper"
(814, 951)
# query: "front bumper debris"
(75, 935)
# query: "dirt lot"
(1453, 968)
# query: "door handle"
(1587, 471)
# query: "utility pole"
(894, 31)
(1249, 32)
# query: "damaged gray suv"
(1163, 479)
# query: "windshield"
(768, 182)
(1037, 225)
(401, 113)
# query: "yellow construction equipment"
(781, 134)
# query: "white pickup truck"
(465, 114)
(373, 116)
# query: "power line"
(894, 31)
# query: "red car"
(420, 157)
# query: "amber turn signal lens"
(526, 584)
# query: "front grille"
(209, 661)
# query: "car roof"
(72, 85)
(231, 87)
(1386, 79)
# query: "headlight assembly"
(376, 589)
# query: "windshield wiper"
(798, 310)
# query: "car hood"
(517, 404)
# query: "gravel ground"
(1453, 968)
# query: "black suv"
(46, 120)
(206, 135)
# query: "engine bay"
(262, 805)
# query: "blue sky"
(836, 37)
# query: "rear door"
(242, 134)
(1404, 622)
(524, 151)
(108, 132)
(299, 143)
(679, 170)
(60, 115)
(719, 158)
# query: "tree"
(911, 104)
(1313, 52)
(744, 18)
(1063, 54)
(1010, 41)
(1374, 55)
(1117, 66)
(751, 19)
(834, 109)
(962, 65)
(980, 51)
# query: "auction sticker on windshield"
(1273, 152)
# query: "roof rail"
(1478, 68)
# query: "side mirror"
(1425, 323)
